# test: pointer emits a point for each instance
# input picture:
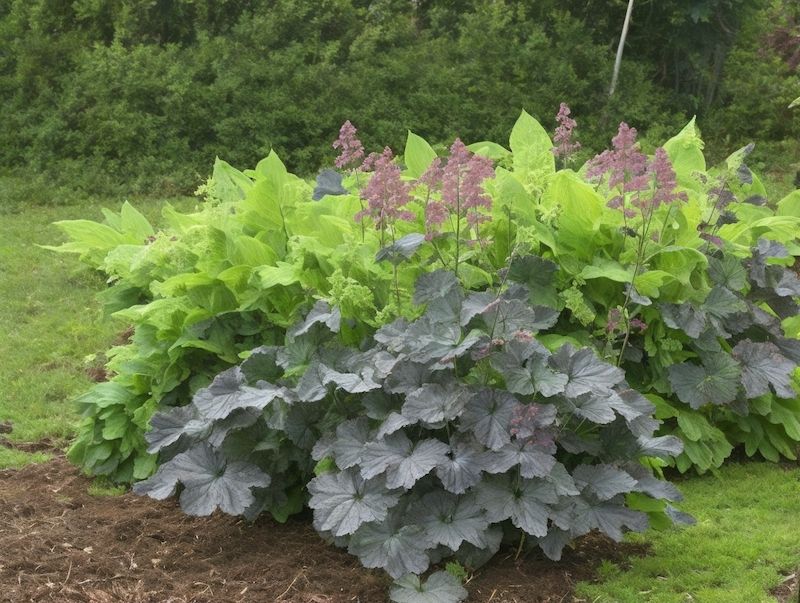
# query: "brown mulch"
(58, 543)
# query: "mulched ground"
(58, 543)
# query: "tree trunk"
(624, 35)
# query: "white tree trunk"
(624, 35)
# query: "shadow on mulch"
(58, 543)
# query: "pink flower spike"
(352, 149)
(564, 148)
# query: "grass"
(51, 326)
(745, 543)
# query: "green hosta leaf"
(524, 502)
(489, 149)
(763, 365)
(534, 162)
(229, 183)
(440, 587)
(418, 155)
(488, 415)
(343, 501)
(787, 414)
(603, 481)
(582, 208)
(685, 151)
(610, 269)
(403, 461)
(397, 548)
(449, 519)
(209, 482)
(716, 381)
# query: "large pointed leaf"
(440, 587)
(343, 501)
(716, 381)
(449, 519)
(209, 482)
(488, 416)
(764, 365)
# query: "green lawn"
(746, 541)
(51, 327)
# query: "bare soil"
(58, 543)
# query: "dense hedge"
(114, 97)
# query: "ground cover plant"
(481, 334)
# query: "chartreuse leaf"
(440, 587)
(685, 151)
(581, 210)
(534, 162)
(343, 501)
(489, 149)
(418, 155)
(209, 482)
